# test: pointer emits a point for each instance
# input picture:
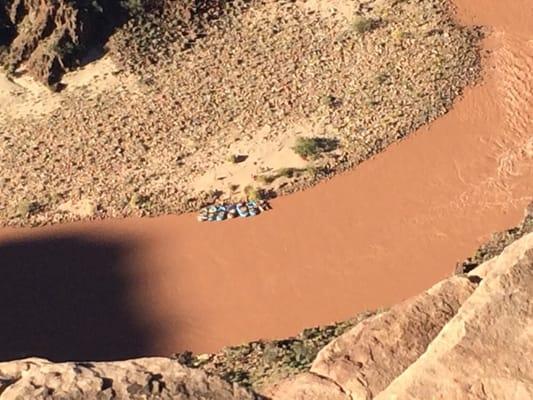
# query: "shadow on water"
(67, 299)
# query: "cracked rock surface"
(146, 378)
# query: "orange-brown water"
(368, 238)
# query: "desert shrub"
(288, 172)
(362, 25)
(237, 375)
(312, 171)
(282, 172)
(307, 147)
(270, 353)
(267, 179)
(133, 7)
(253, 193)
(26, 208)
(65, 49)
(382, 78)
(303, 353)
(332, 101)
(139, 201)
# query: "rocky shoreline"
(358, 359)
(365, 75)
(261, 364)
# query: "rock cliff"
(486, 350)
(49, 36)
(468, 337)
(148, 378)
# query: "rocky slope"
(485, 351)
(467, 337)
(210, 81)
(151, 378)
(49, 37)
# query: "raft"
(242, 209)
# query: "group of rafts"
(243, 209)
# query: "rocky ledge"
(468, 337)
(147, 378)
(49, 37)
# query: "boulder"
(364, 360)
(306, 386)
(485, 351)
(509, 256)
(154, 378)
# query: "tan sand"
(24, 97)
(368, 238)
(264, 156)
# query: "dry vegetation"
(362, 77)
(497, 243)
(261, 363)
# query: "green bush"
(253, 193)
(308, 148)
(362, 25)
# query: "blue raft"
(224, 211)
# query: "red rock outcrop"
(146, 378)
(486, 350)
(49, 36)
(364, 360)
(459, 340)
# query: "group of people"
(224, 211)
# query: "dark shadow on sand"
(66, 299)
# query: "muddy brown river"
(368, 238)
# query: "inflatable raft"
(243, 209)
